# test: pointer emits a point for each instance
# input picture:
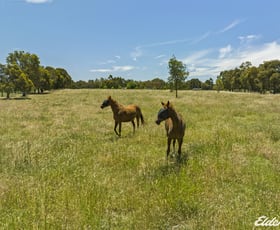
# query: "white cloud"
(100, 70)
(107, 62)
(201, 38)
(38, 1)
(123, 68)
(138, 51)
(266, 52)
(231, 26)
(248, 38)
(196, 57)
(114, 69)
(164, 43)
(225, 51)
(110, 61)
(160, 56)
(203, 65)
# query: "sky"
(135, 39)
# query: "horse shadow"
(16, 98)
(115, 138)
(173, 165)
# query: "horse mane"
(115, 103)
(171, 107)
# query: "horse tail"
(142, 118)
(139, 114)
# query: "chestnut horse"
(174, 126)
(123, 113)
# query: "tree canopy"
(264, 78)
(23, 72)
(177, 73)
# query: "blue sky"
(135, 39)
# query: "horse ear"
(162, 103)
(109, 97)
(168, 103)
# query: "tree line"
(112, 82)
(248, 78)
(23, 72)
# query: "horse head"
(105, 103)
(163, 113)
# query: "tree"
(23, 72)
(2, 77)
(131, 84)
(44, 80)
(6, 83)
(208, 84)
(63, 79)
(155, 83)
(24, 84)
(194, 83)
(269, 76)
(275, 82)
(262, 81)
(244, 75)
(248, 78)
(19, 63)
(235, 80)
(13, 72)
(225, 77)
(178, 73)
(219, 84)
(33, 70)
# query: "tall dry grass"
(62, 166)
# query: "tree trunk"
(176, 88)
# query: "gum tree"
(177, 73)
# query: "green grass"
(62, 166)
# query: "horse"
(123, 113)
(174, 126)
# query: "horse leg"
(115, 129)
(133, 123)
(180, 140)
(120, 129)
(137, 120)
(168, 147)
(174, 142)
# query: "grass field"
(62, 166)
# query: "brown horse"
(123, 113)
(174, 126)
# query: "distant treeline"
(120, 83)
(23, 73)
(246, 78)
